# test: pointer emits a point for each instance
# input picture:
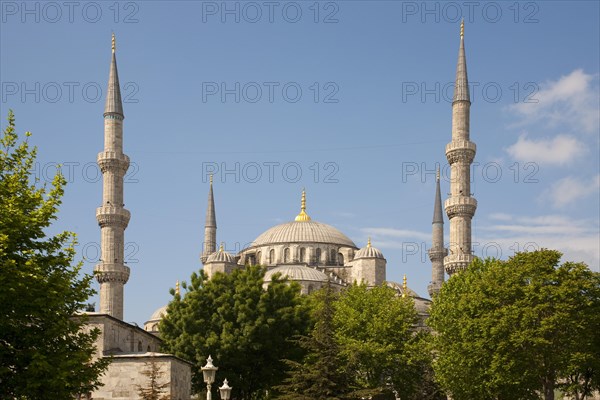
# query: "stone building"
(303, 250)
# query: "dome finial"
(303, 216)
(114, 43)
(369, 242)
(404, 286)
(177, 293)
(221, 249)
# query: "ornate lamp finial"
(114, 43)
(404, 286)
(462, 28)
(369, 242)
(177, 288)
(303, 216)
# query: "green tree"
(154, 390)
(317, 376)
(44, 350)
(243, 326)
(374, 329)
(517, 329)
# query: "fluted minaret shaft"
(111, 272)
(460, 152)
(437, 251)
(210, 226)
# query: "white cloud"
(577, 239)
(570, 189)
(560, 150)
(572, 100)
(386, 237)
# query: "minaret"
(210, 226)
(460, 152)
(111, 272)
(437, 251)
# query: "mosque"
(303, 250)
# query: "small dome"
(368, 252)
(296, 273)
(158, 314)
(221, 256)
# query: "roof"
(296, 273)
(303, 232)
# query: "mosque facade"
(311, 253)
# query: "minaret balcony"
(457, 262)
(460, 206)
(460, 150)
(113, 160)
(118, 273)
(112, 216)
(437, 253)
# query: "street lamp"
(225, 390)
(209, 371)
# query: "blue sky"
(349, 99)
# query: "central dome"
(303, 232)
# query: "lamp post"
(225, 390)
(209, 371)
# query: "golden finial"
(462, 28)
(114, 43)
(404, 286)
(177, 288)
(303, 216)
(211, 179)
(221, 247)
(437, 174)
(369, 242)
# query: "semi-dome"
(221, 256)
(368, 252)
(296, 273)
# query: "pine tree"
(317, 376)
(154, 389)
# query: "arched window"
(286, 255)
(310, 289)
(140, 346)
(340, 259)
(332, 256)
(148, 350)
(258, 258)
(272, 256)
(318, 255)
(302, 254)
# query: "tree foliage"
(44, 352)
(154, 390)
(317, 376)
(379, 348)
(243, 326)
(519, 328)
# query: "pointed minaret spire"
(461, 85)
(111, 272)
(210, 226)
(460, 152)
(437, 251)
(113, 105)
